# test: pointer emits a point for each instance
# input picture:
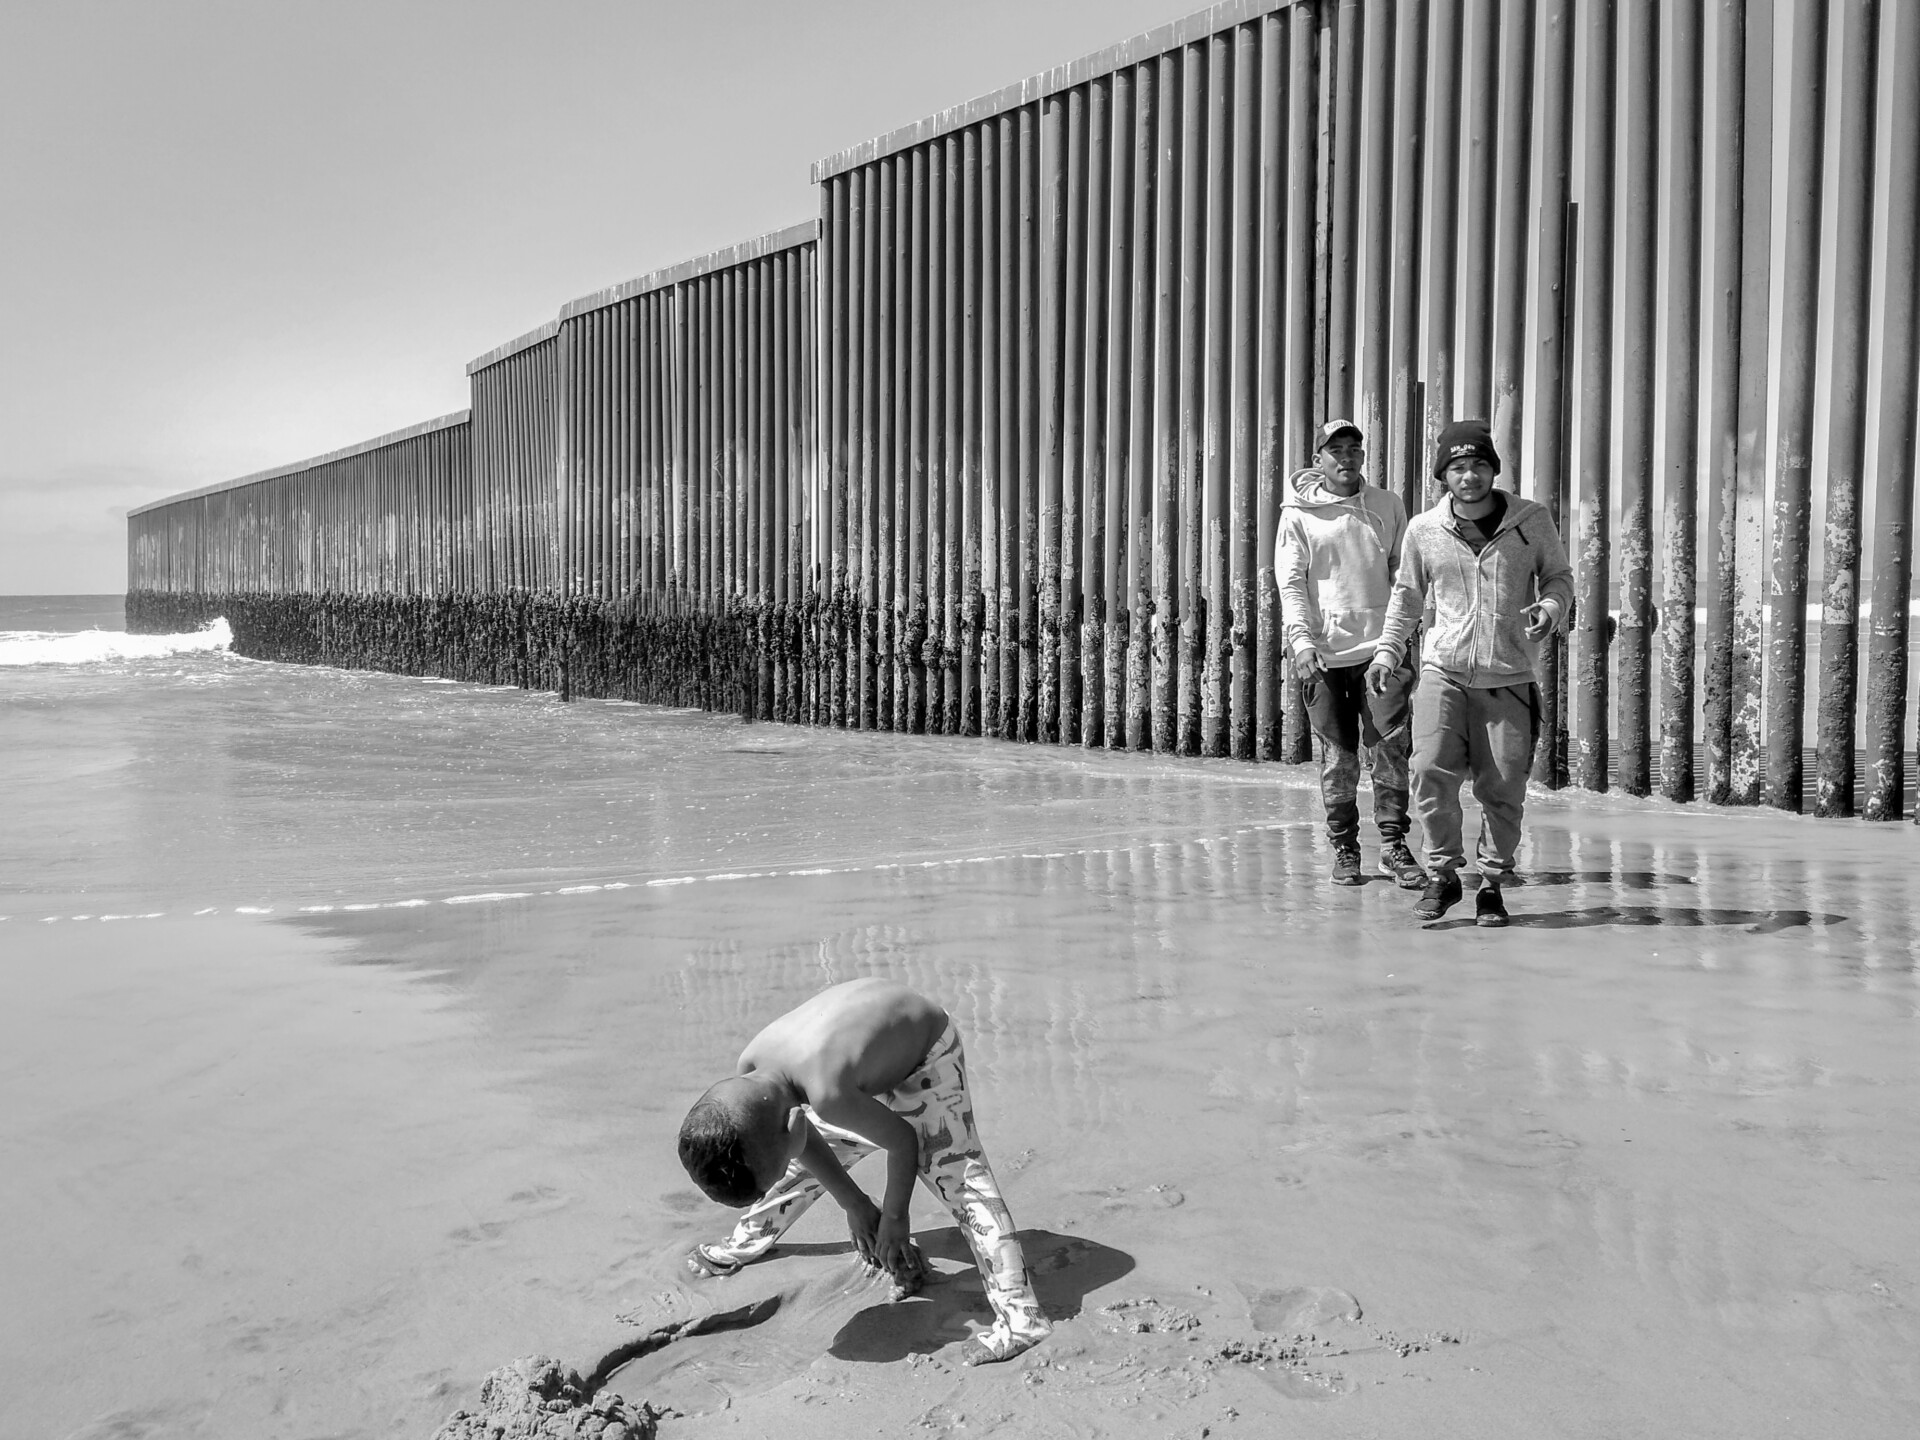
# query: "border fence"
(995, 447)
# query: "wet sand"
(1645, 1163)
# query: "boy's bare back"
(864, 1036)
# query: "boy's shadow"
(1065, 1270)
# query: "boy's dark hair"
(714, 1151)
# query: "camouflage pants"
(1344, 716)
(934, 1101)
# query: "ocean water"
(351, 1016)
(164, 772)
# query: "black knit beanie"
(1465, 437)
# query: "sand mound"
(540, 1399)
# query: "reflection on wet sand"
(1662, 1127)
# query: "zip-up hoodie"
(1334, 559)
(1478, 633)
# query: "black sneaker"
(1346, 864)
(1489, 908)
(1441, 895)
(1398, 864)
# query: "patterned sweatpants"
(933, 1099)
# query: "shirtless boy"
(863, 1066)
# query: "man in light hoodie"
(1335, 554)
(1493, 570)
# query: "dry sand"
(1647, 1163)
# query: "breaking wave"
(91, 647)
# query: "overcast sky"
(237, 233)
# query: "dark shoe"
(1441, 895)
(1489, 909)
(1397, 862)
(1346, 864)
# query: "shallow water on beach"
(378, 1092)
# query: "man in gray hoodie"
(1493, 570)
(1334, 557)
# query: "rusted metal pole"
(1793, 447)
(1193, 362)
(1169, 259)
(1115, 354)
(1678, 590)
(1301, 362)
(884, 355)
(933, 360)
(803, 411)
(1444, 97)
(1053, 396)
(1270, 687)
(1404, 442)
(1070, 271)
(565, 424)
(1846, 417)
(992, 293)
(1142, 456)
(1096, 482)
(1635, 636)
(1027, 355)
(840, 450)
(1592, 541)
(1743, 786)
(1376, 279)
(1216, 459)
(1343, 203)
(972, 556)
(1481, 208)
(1886, 698)
(1550, 369)
(863, 432)
(906, 366)
(916, 534)
(700, 402)
(1011, 634)
(950, 507)
(1243, 480)
(1512, 197)
(1727, 230)
(784, 707)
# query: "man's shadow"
(1752, 922)
(1065, 1269)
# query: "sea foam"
(92, 647)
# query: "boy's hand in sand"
(886, 1243)
(893, 1247)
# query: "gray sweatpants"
(1462, 732)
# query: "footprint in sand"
(1299, 1309)
(1153, 1197)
